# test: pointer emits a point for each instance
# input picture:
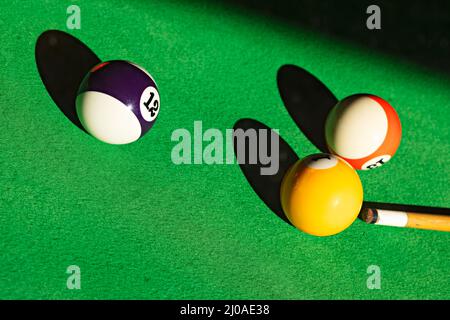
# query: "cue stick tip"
(368, 215)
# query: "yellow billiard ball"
(321, 194)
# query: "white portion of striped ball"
(107, 119)
(357, 130)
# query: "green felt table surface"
(141, 227)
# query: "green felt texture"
(141, 227)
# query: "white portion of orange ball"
(364, 130)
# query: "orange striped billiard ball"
(364, 130)
(321, 194)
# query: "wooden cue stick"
(397, 218)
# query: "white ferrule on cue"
(385, 217)
(391, 218)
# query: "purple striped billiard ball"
(117, 102)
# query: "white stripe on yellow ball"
(322, 162)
